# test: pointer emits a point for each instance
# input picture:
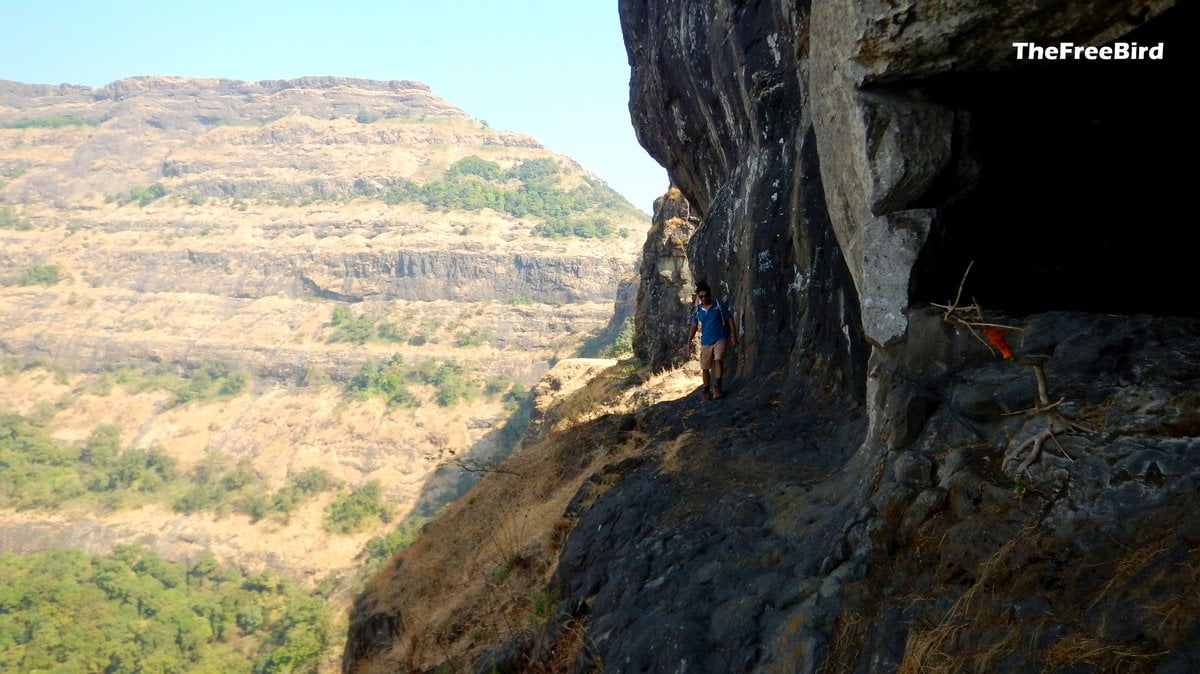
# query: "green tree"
(475, 166)
(534, 169)
(42, 274)
(103, 445)
(130, 611)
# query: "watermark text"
(1063, 51)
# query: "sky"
(554, 69)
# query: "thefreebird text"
(1063, 51)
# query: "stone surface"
(629, 558)
(466, 273)
(716, 96)
(891, 244)
(883, 146)
(666, 288)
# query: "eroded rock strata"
(665, 285)
(865, 500)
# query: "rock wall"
(925, 550)
(665, 288)
(718, 96)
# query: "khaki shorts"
(710, 353)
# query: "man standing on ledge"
(714, 320)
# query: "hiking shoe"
(716, 390)
(704, 395)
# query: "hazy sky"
(555, 69)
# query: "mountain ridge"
(127, 86)
(285, 237)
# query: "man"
(714, 320)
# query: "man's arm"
(732, 332)
(691, 335)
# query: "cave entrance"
(1085, 192)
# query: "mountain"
(962, 426)
(258, 280)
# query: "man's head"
(703, 293)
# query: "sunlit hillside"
(278, 325)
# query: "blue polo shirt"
(712, 322)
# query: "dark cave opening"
(1084, 193)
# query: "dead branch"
(971, 317)
(476, 466)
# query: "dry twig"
(1056, 422)
(971, 318)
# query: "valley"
(303, 313)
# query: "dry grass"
(470, 580)
(848, 635)
(1137, 560)
(570, 643)
(936, 650)
(671, 460)
(1176, 613)
(280, 431)
(983, 660)
(976, 632)
(929, 539)
(1079, 649)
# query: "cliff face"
(665, 287)
(890, 486)
(275, 200)
(717, 94)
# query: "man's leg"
(706, 361)
(718, 366)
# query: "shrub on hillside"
(534, 169)
(584, 228)
(468, 338)
(390, 380)
(142, 195)
(42, 274)
(474, 166)
(471, 184)
(356, 509)
(50, 122)
(211, 381)
(10, 220)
